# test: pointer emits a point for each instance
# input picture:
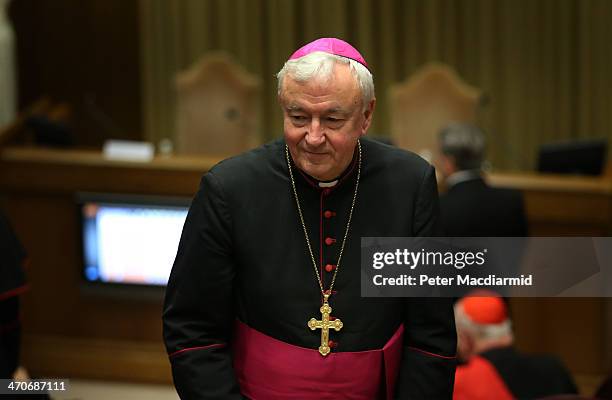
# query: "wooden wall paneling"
(81, 52)
(574, 329)
(117, 360)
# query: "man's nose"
(316, 134)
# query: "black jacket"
(531, 376)
(473, 209)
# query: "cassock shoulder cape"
(243, 257)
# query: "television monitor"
(130, 240)
(583, 157)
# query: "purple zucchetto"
(332, 46)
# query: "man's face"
(323, 119)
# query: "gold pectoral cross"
(325, 324)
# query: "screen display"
(130, 243)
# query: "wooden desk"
(69, 333)
(60, 171)
(563, 205)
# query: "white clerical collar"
(328, 184)
(462, 176)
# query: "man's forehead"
(336, 93)
(301, 95)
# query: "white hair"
(481, 331)
(465, 143)
(320, 65)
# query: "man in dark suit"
(470, 207)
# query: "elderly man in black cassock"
(264, 297)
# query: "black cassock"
(12, 284)
(243, 255)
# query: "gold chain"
(348, 224)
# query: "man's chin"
(319, 172)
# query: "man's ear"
(367, 116)
(447, 165)
(465, 346)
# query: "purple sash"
(269, 369)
